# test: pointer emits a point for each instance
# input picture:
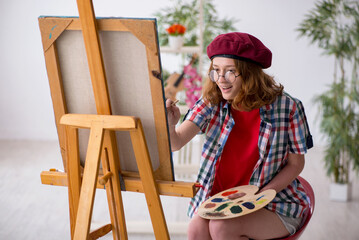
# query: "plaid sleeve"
(200, 114)
(300, 139)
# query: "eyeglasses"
(229, 76)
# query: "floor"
(30, 210)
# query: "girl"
(255, 134)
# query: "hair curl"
(257, 88)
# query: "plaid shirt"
(283, 130)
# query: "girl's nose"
(221, 78)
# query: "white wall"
(25, 102)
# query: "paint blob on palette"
(247, 201)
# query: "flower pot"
(340, 192)
(175, 42)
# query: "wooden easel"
(82, 204)
(102, 147)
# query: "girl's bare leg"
(262, 224)
(198, 229)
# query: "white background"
(25, 102)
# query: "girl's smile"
(225, 89)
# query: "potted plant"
(334, 26)
(175, 38)
(187, 14)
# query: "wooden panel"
(133, 184)
(160, 118)
(57, 95)
(123, 123)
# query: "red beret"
(242, 46)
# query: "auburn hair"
(257, 88)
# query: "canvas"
(131, 57)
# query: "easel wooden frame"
(102, 142)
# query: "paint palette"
(220, 206)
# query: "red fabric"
(241, 46)
(240, 154)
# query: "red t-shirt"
(240, 154)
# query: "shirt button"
(227, 127)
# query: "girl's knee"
(192, 231)
(217, 228)
(222, 229)
(198, 228)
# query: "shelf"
(167, 49)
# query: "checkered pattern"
(283, 130)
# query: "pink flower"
(193, 84)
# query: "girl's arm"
(184, 133)
(292, 170)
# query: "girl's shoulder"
(286, 101)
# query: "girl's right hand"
(173, 113)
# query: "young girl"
(255, 134)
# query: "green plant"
(187, 14)
(334, 26)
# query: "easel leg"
(73, 174)
(84, 213)
(98, 124)
(113, 188)
(149, 184)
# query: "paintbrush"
(174, 103)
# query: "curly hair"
(257, 88)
